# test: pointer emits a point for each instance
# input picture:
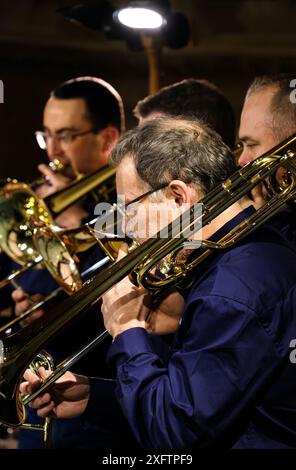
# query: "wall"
(231, 41)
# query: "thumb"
(18, 294)
(44, 373)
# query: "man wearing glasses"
(198, 98)
(83, 119)
(227, 381)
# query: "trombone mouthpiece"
(56, 165)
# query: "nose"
(53, 148)
(245, 157)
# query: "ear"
(109, 137)
(180, 192)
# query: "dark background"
(231, 41)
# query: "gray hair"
(168, 148)
(283, 110)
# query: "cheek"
(266, 141)
(75, 156)
(264, 147)
(84, 155)
(270, 143)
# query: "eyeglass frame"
(71, 136)
(139, 198)
(151, 191)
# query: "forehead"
(128, 182)
(59, 114)
(256, 111)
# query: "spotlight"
(144, 25)
(128, 23)
(145, 15)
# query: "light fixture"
(171, 27)
(141, 15)
(143, 24)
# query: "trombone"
(18, 350)
(22, 210)
(58, 249)
(56, 166)
(54, 246)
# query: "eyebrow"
(245, 138)
(63, 129)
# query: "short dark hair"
(196, 99)
(104, 104)
(283, 110)
(167, 148)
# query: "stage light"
(141, 15)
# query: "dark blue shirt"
(228, 381)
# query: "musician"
(82, 121)
(200, 99)
(268, 115)
(267, 118)
(197, 98)
(227, 380)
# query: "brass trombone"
(22, 210)
(18, 350)
(58, 249)
(56, 166)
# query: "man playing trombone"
(226, 381)
(198, 98)
(83, 119)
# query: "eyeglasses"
(65, 138)
(139, 198)
(112, 220)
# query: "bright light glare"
(140, 18)
(41, 141)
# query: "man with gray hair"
(226, 381)
(199, 99)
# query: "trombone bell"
(20, 208)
